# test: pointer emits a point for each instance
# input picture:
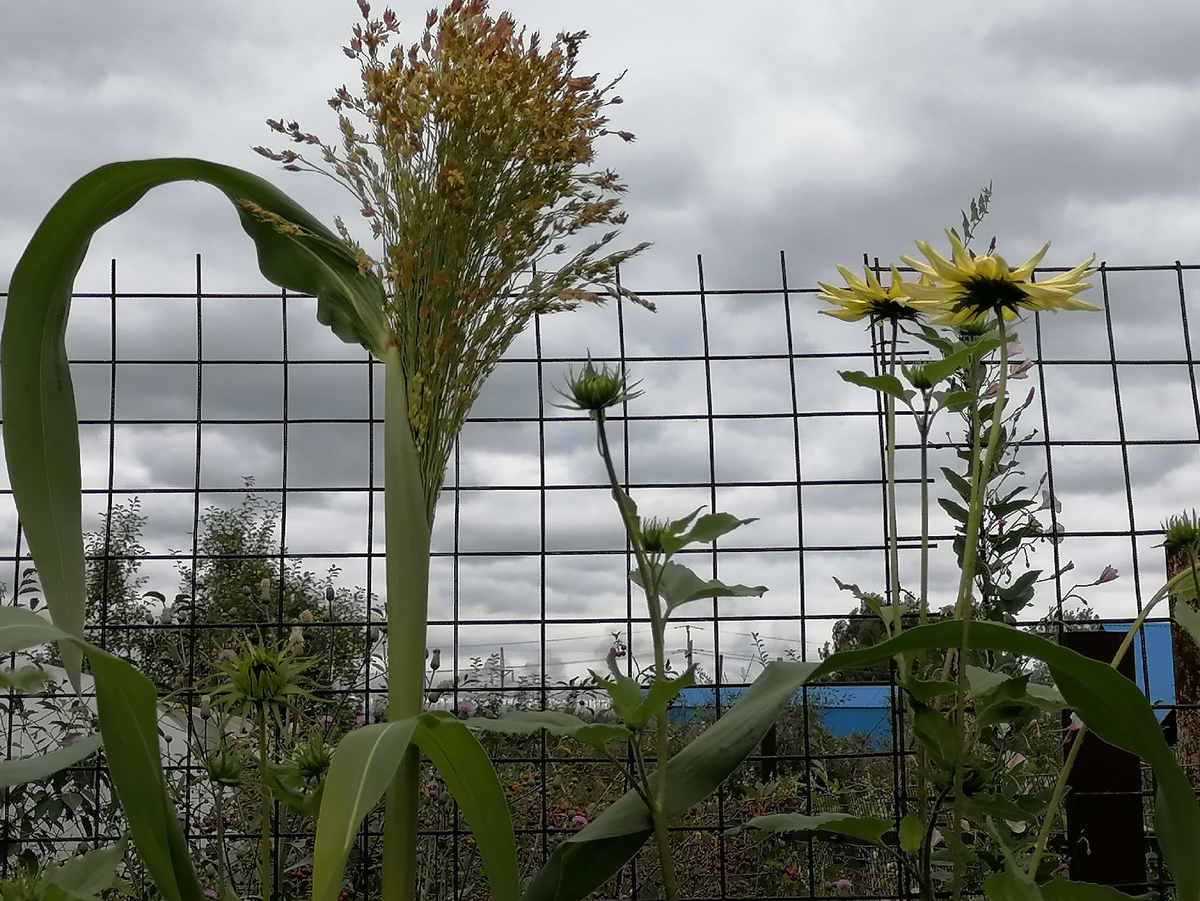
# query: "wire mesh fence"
(238, 494)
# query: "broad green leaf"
(20, 770)
(363, 764)
(41, 435)
(662, 692)
(527, 722)
(678, 585)
(86, 876)
(865, 829)
(937, 734)
(469, 775)
(912, 832)
(624, 691)
(1112, 706)
(925, 690)
(885, 384)
(590, 857)
(980, 806)
(1013, 884)
(128, 714)
(706, 529)
(938, 370)
(956, 400)
(288, 786)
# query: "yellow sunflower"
(862, 299)
(969, 288)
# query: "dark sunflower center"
(891, 311)
(987, 294)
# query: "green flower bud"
(594, 389)
(653, 531)
(1182, 533)
(225, 767)
(312, 759)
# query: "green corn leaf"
(864, 829)
(1112, 706)
(1070, 890)
(469, 775)
(363, 764)
(590, 857)
(128, 713)
(41, 436)
(527, 722)
(1011, 885)
(20, 770)
(127, 708)
(1188, 617)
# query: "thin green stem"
(407, 524)
(657, 793)
(264, 846)
(964, 611)
(922, 658)
(222, 858)
(893, 519)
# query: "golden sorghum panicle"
(476, 164)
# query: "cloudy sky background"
(822, 129)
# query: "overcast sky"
(826, 130)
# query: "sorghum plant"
(476, 167)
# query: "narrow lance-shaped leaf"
(527, 722)
(469, 775)
(363, 764)
(885, 384)
(19, 770)
(127, 709)
(41, 437)
(862, 828)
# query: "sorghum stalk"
(656, 794)
(970, 556)
(407, 520)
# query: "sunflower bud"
(1182, 533)
(312, 759)
(206, 707)
(919, 377)
(225, 767)
(435, 662)
(594, 389)
(653, 531)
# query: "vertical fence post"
(1106, 841)
(1185, 659)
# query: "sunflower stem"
(964, 611)
(264, 845)
(407, 525)
(656, 794)
(893, 533)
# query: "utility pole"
(690, 648)
(502, 671)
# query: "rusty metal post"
(1185, 658)
(1106, 839)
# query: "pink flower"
(466, 706)
(1109, 573)
(1013, 759)
(211, 894)
(992, 390)
(432, 785)
(1020, 370)
(843, 883)
(579, 820)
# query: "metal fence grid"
(1063, 457)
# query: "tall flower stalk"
(476, 167)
